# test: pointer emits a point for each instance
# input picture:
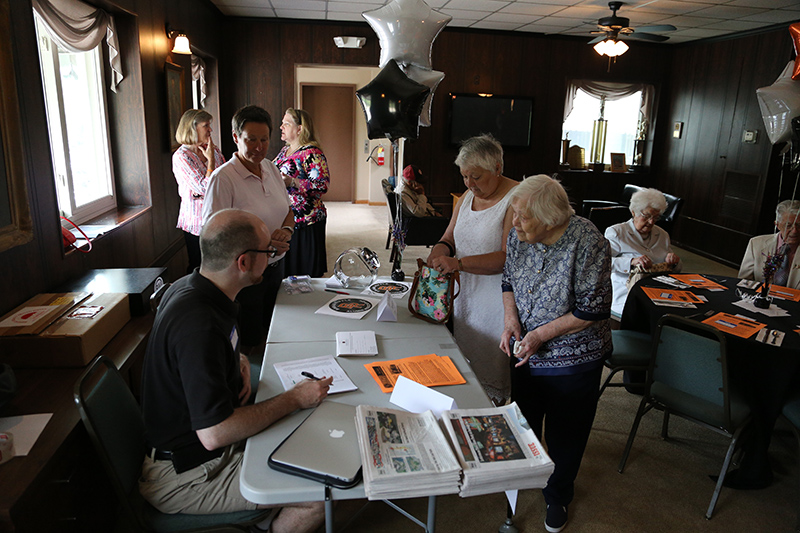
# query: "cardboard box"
(69, 338)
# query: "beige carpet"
(665, 486)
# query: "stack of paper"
(497, 450)
(430, 370)
(404, 455)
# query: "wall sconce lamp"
(181, 41)
(349, 42)
(611, 48)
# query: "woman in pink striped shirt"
(193, 163)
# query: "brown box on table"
(68, 336)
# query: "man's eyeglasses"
(269, 251)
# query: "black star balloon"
(392, 103)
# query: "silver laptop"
(323, 448)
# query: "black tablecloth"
(763, 373)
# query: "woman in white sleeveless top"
(475, 244)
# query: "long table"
(764, 373)
(297, 333)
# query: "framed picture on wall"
(618, 163)
(176, 100)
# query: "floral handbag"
(432, 294)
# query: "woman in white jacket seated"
(638, 242)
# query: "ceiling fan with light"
(614, 30)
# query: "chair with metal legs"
(688, 377)
(792, 412)
(114, 422)
(632, 351)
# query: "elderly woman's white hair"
(543, 198)
(483, 152)
(652, 198)
(786, 207)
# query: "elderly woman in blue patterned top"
(557, 301)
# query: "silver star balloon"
(406, 30)
(429, 78)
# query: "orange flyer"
(672, 295)
(735, 325)
(784, 293)
(698, 281)
(430, 370)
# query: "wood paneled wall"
(141, 149)
(709, 87)
(261, 56)
(713, 92)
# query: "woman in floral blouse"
(305, 172)
(193, 163)
(557, 302)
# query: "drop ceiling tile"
(509, 17)
(728, 12)
(300, 14)
(774, 17)
(476, 5)
(489, 25)
(525, 8)
(669, 7)
(349, 7)
(544, 28)
(313, 5)
(734, 25)
(466, 15)
(344, 16)
(768, 4)
(688, 21)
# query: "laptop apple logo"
(335, 433)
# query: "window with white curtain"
(78, 127)
(625, 107)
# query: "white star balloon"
(429, 78)
(406, 30)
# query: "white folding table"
(297, 333)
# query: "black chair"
(668, 218)
(420, 231)
(688, 377)
(115, 426)
(603, 217)
(792, 412)
(632, 351)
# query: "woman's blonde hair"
(303, 119)
(187, 127)
(543, 198)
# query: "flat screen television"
(508, 118)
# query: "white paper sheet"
(416, 398)
(290, 373)
(356, 343)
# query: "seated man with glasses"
(639, 243)
(196, 384)
(781, 246)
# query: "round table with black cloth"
(765, 374)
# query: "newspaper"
(407, 455)
(404, 455)
(497, 450)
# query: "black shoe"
(556, 518)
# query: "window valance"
(611, 91)
(80, 27)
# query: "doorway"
(332, 108)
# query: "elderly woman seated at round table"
(639, 243)
(556, 302)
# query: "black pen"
(309, 375)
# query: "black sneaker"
(556, 518)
